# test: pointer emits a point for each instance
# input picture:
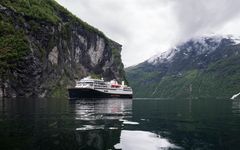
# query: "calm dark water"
(138, 124)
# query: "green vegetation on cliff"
(216, 81)
(13, 46)
(46, 11)
(40, 9)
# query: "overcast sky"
(148, 27)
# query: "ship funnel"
(123, 83)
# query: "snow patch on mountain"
(163, 57)
(235, 39)
(200, 45)
(204, 45)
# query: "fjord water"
(138, 124)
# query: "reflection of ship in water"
(99, 122)
(103, 109)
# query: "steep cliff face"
(44, 48)
(200, 67)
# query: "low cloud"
(203, 16)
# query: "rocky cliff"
(44, 48)
(200, 67)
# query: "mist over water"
(119, 124)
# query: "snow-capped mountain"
(209, 64)
(200, 45)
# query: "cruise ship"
(98, 88)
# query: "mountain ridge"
(186, 72)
